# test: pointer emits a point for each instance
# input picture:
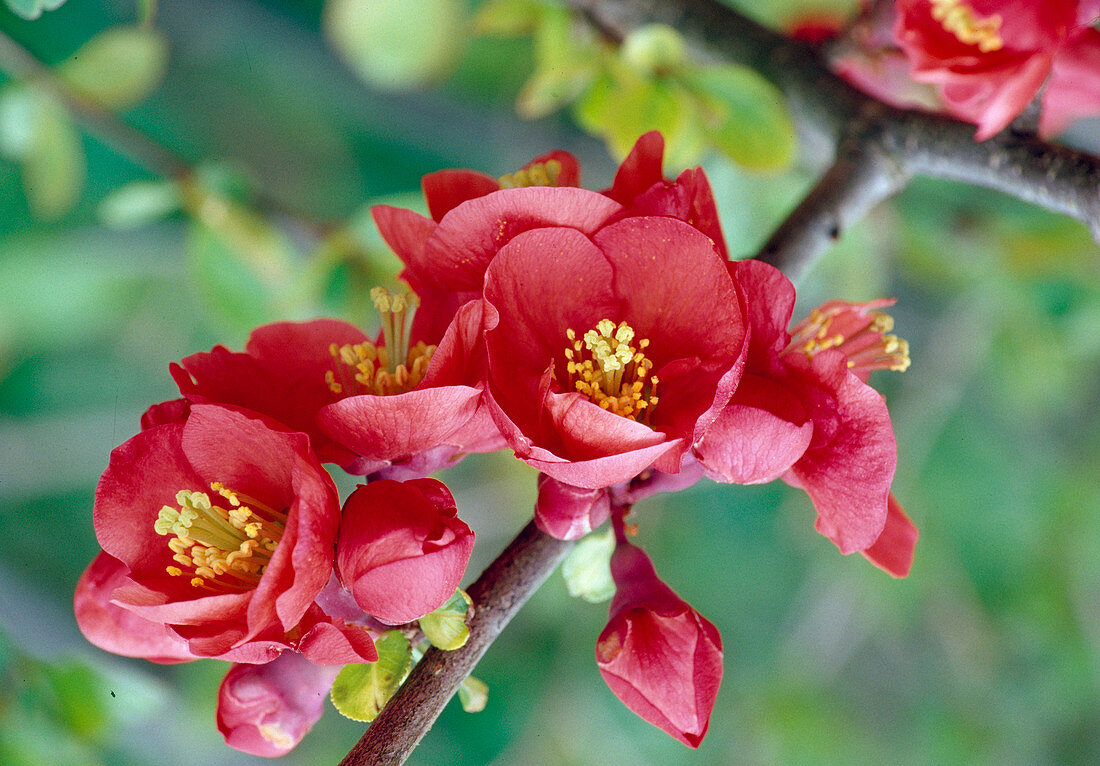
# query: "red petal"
(893, 551)
(640, 169)
(447, 189)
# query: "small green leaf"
(396, 44)
(587, 568)
(505, 18)
(745, 115)
(446, 627)
(32, 9)
(20, 108)
(362, 690)
(653, 49)
(636, 107)
(473, 694)
(139, 203)
(53, 166)
(118, 67)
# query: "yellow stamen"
(227, 548)
(606, 368)
(389, 368)
(539, 174)
(958, 18)
(862, 337)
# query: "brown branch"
(497, 595)
(913, 142)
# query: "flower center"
(605, 367)
(393, 367)
(539, 174)
(225, 549)
(959, 19)
(861, 335)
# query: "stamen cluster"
(213, 542)
(606, 368)
(538, 174)
(863, 338)
(393, 367)
(959, 19)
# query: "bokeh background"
(989, 653)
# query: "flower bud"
(659, 656)
(567, 512)
(267, 709)
(402, 550)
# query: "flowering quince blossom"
(266, 709)
(991, 57)
(657, 654)
(804, 412)
(403, 405)
(218, 534)
(402, 549)
(611, 353)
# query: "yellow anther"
(611, 372)
(174, 571)
(539, 174)
(958, 18)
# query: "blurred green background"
(989, 653)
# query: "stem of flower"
(497, 595)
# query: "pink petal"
(567, 512)
(640, 169)
(405, 232)
(848, 475)
(445, 190)
(750, 445)
(893, 551)
(458, 252)
(265, 710)
(118, 630)
(1074, 88)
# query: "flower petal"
(893, 551)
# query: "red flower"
(402, 404)
(221, 529)
(804, 412)
(659, 656)
(474, 215)
(991, 57)
(402, 549)
(610, 353)
(267, 709)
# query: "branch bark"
(497, 595)
(913, 143)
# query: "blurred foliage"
(987, 654)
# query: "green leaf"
(564, 66)
(636, 107)
(118, 67)
(362, 690)
(653, 49)
(80, 694)
(505, 18)
(32, 9)
(139, 203)
(396, 44)
(745, 115)
(446, 627)
(20, 108)
(53, 165)
(587, 568)
(473, 694)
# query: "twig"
(497, 595)
(20, 63)
(863, 174)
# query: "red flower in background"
(991, 57)
(402, 549)
(220, 529)
(659, 656)
(804, 412)
(613, 352)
